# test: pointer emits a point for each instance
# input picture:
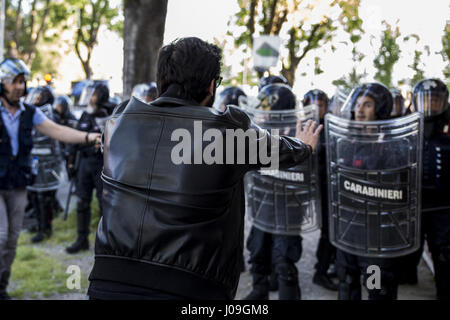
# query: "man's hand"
(95, 139)
(308, 135)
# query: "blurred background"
(323, 43)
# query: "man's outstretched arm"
(67, 134)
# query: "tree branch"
(33, 14)
(251, 21)
(273, 8)
(41, 27)
(18, 21)
(280, 21)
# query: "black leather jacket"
(174, 228)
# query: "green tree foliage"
(307, 26)
(91, 15)
(28, 23)
(417, 64)
(388, 55)
(352, 25)
(446, 52)
(33, 29)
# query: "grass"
(38, 272)
(65, 232)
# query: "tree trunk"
(143, 37)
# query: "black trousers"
(326, 252)
(44, 205)
(88, 179)
(268, 250)
(437, 233)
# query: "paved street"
(424, 290)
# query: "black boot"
(273, 281)
(332, 271)
(4, 296)
(40, 236)
(4, 279)
(288, 287)
(82, 243)
(324, 281)
(260, 289)
(43, 228)
(83, 221)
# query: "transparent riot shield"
(285, 201)
(46, 152)
(374, 170)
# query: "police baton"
(72, 182)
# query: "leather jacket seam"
(236, 125)
(141, 226)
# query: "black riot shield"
(46, 151)
(374, 171)
(284, 201)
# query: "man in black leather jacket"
(175, 231)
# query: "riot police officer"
(430, 97)
(326, 252)
(230, 95)
(271, 79)
(90, 165)
(274, 251)
(43, 193)
(368, 102)
(17, 166)
(62, 113)
(399, 104)
(63, 116)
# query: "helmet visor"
(34, 97)
(360, 106)
(430, 103)
(86, 96)
(140, 91)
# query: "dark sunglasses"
(218, 81)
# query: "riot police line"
(381, 168)
(284, 204)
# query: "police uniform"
(88, 178)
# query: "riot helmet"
(275, 97)
(40, 96)
(10, 69)
(62, 105)
(146, 92)
(94, 96)
(264, 81)
(368, 102)
(319, 98)
(338, 100)
(230, 95)
(430, 97)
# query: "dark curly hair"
(191, 63)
